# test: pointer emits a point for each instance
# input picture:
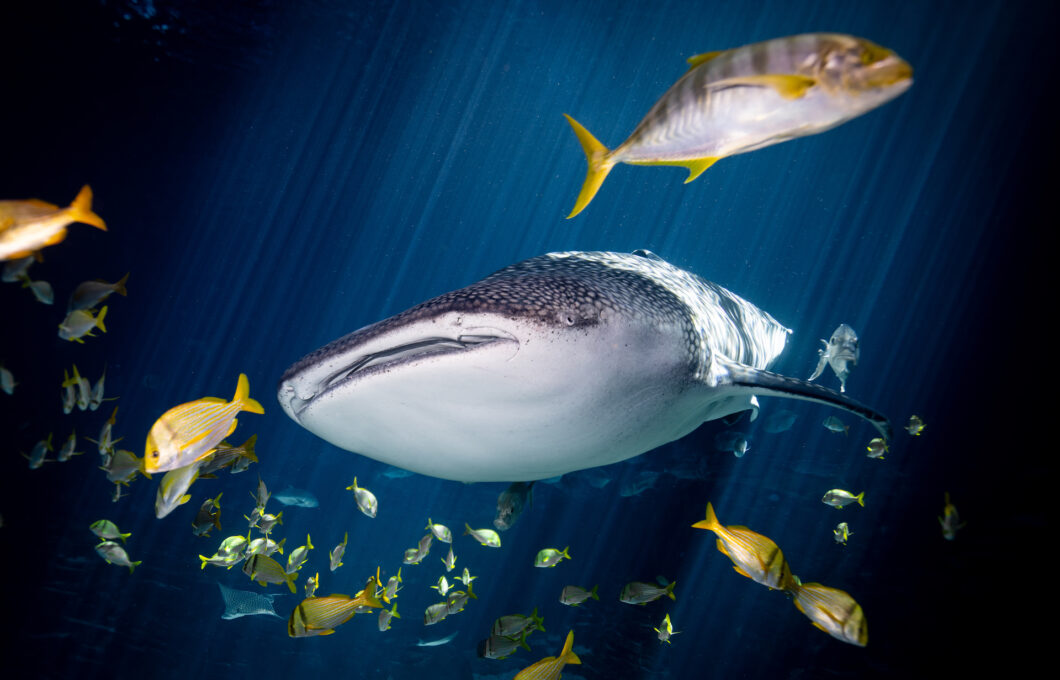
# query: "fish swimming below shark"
(297, 497)
(562, 362)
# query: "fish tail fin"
(290, 581)
(248, 448)
(81, 210)
(593, 594)
(471, 593)
(393, 612)
(133, 565)
(99, 319)
(539, 622)
(568, 655)
(308, 543)
(565, 553)
(125, 536)
(861, 499)
(119, 287)
(670, 591)
(204, 560)
(711, 522)
(600, 163)
(243, 396)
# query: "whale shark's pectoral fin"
(765, 383)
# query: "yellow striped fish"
(752, 554)
(321, 615)
(833, 611)
(29, 225)
(750, 97)
(264, 569)
(189, 432)
(550, 667)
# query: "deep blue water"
(278, 174)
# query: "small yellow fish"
(91, 293)
(915, 425)
(321, 615)
(833, 611)
(188, 432)
(299, 556)
(366, 500)
(638, 592)
(487, 537)
(753, 555)
(264, 569)
(666, 630)
(739, 100)
(575, 595)
(842, 533)
(512, 625)
(877, 447)
(113, 553)
(385, 616)
(26, 226)
(172, 490)
(311, 585)
(838, 498)
(80, 323)
(950, 520)
(107, 530)
(338, 552)
(208, 517)
(551, 667)
(550, 557)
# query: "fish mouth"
(302, 385)
(891, 71)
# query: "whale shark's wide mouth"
(300, 389)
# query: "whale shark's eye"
(569, 319)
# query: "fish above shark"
(562, 362)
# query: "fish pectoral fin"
(788, 86)
(701, 59)
(697, 167)
(741, 572)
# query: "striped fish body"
(551, 667)
(750, 97)
(188, 432)
(833, 611)
(264, 569)
(753, 555)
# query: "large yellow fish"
(752, 554)
(187, 433)
(833, 611)
(551, 667)
(29, 225)
(738, 100)
(320, 615)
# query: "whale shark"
(562, 362)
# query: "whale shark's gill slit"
(405, 352)
(765, 383)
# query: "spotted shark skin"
(562, 362)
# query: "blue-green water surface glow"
(274, 175)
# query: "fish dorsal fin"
(700, 59)
(647, 255)
(788, 86)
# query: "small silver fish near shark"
(841, 352)
(300, 498)
(562, 362)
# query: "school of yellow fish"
(728, 102)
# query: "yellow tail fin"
(81, 209)
(598, 157)
(568, 655)
(99, 320)
(710, 523)
(243, 396)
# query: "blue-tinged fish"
(7, 380)
(739, 100)
(297, 497)
(28, 225)
(107, 530)
(638, 592)
(838, 498)
(172, 490)
(186, 433)
(551, 667)
(510, 504)
(841, 352)
(90, 293)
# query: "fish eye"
(154, 454)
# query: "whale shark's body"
(562, 362)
